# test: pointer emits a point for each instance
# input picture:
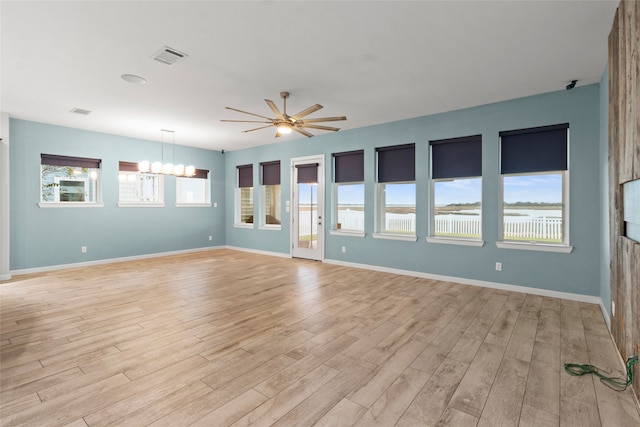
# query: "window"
(349, 191)
(396, 204)
(139, 188)
(244, 196)
(71, 181)
(271, 200)
(193, 190)
(456, 179)
(534, 168)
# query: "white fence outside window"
(515, 227)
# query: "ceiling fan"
(286, 123)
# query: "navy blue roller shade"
(349, 166)
(307, 174)
(75, 162)
(245, 176)
(456, 158)
(128, 167)
(201, 174)
(271, 173)
(534, 150)
(397, 163)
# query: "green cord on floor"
(614, 383)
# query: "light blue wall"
(53, 236)
(578, 272)
(605, 251)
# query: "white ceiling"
(374, 62)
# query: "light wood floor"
(230, 338)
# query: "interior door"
(307, 199)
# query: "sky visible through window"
(533, 188)
(352, 194)
(545, 188)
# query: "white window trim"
(97, 204)
(205, 204)
(263, 226)
(347, 233)
(455, 241)
(533, 246)
(243, 225)
(272, 227)
(379, 216)
(238, 208)
(141, 205)
(432, 238)
(390, 236)
(71, 204)
(336, 230)
(193, 205)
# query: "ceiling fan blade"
(246, 112)
(261, 127)
(306, 112)
(324, 119)
(302, 131)
(277, 112)
(247, 121)
(321, 127)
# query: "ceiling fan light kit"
(285, 123)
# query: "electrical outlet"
(344, 249)
(83, 249)
(215, 204)
(210, 237)
(498, 266)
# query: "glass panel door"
(308, 208)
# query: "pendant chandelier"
(167, 168)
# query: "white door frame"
(318, 253)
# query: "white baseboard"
(259, 252)
(5, 277)
(494, 285)
(605, 314)
(110, 260)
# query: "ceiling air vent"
(168, 55)
(79, 111)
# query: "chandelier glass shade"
(167, 168)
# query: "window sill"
(70, 205)
(453, 241)
(193, 205)
(529, 246)
(242, 225)
(140, 205)
(347, 233)
(389, 236)
(272, 227)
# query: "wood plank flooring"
(223, 337)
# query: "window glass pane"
(350, 205)
(245, 201)
(457, 208)
(139, 187)
(272, 204)
(192, 190)
(307, 215)
(69, 184)
(398, 208)
(533, 207)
